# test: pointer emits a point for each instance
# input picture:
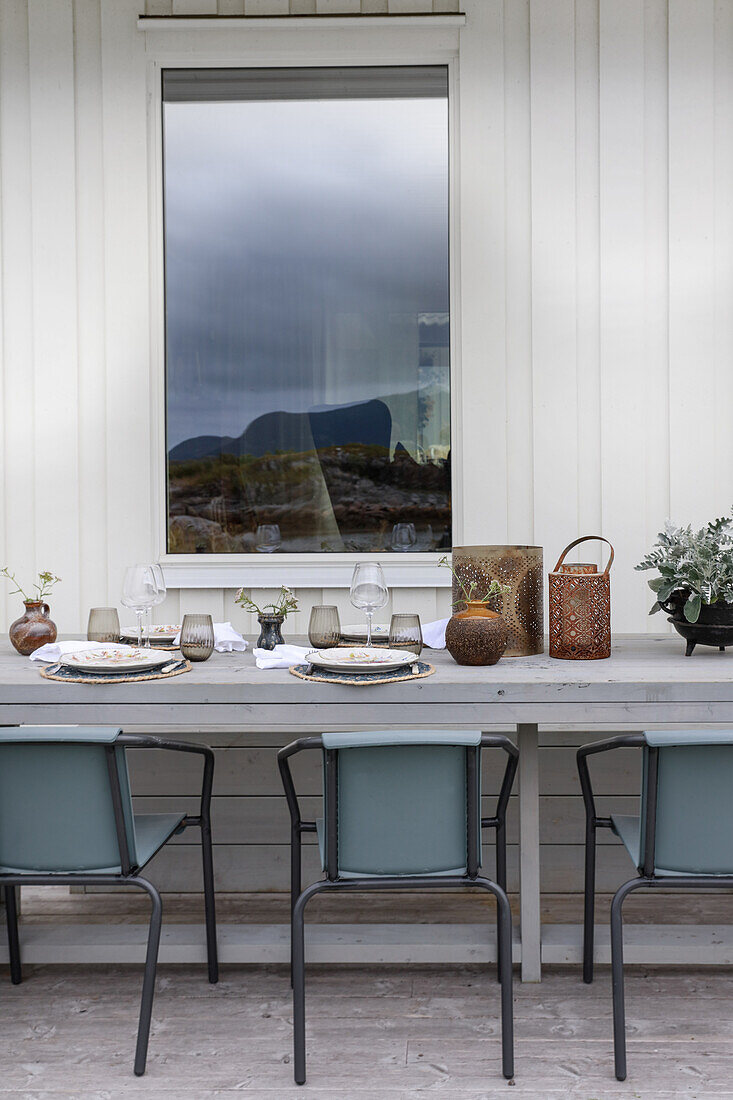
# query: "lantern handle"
(586, 538)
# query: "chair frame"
(299, 898)
(129, 876)
(647, 878)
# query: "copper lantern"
(521, 568)
(580, 608)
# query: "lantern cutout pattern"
(521, 609)
(580, 608)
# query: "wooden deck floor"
(379, 1033)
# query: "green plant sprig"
(47, 581)
(496, 588)
(696, 565)
(283, 605)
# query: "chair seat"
(151, 832)
(321, 833)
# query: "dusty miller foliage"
(695, 565)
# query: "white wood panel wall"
(601, 381)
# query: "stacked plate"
(361, 659)
(115, 660)
(358, 633)
(162, 633)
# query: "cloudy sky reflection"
(302, 241)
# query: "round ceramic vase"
(33, 629)
(476, 635)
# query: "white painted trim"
(298, 570)
(346, 43)
(149, 23)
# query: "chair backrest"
(404, 801)
(56, 807)
(693, 832)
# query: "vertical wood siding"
(601, 380)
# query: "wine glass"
(160, 594)
(404, 537)
(368, 591)
(139, 592)
(267, 538)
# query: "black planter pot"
(714, 627)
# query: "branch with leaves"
(46, 581)
(496, 588)
(695, 566)
(283, 605)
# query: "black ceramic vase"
(270, 635)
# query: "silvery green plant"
(697, 566)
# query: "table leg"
(529, 851)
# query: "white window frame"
(178, 42)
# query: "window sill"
(293, 22)
(299, 570)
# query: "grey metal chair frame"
(647, 878)
(130, 876)
(299, 898)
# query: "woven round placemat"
(322, 676)
(70, 676)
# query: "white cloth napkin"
(54, 651)
(282, 656)
(433, 634)
(226, 639)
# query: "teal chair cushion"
(402, 807)
(56, 812)
(151, 831)
(694, 816)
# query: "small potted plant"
(34, 628)
(695, 582)
(270, 616)
(475, 635)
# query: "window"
(307, 309)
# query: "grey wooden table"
(646, 682)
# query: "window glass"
(307, 317)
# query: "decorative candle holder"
(521, 568)
(580, 608)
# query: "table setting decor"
(34, 628)
(270, 616)
(103, 625)
(475, 634)
(361, 666)
(226, 638)
(85, 662)
(159, 635)
(695, 582)
(580, 607)
(519, 570)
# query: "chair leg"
(589, 902)
(295, 883)
(501, 880)
(11, 914)
(507, 1006)
(617, 976)
(297, 939)
(151, 962)
(212, 954)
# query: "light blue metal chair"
(401, 811)
(681, 838)
(66, 818)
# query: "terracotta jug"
(33, 629)
(477, 635)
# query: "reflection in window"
(307, 318)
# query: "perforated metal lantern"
(580, 608)
(521, 568)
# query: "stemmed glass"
(160, 592)
(368, 591)
(139, 592)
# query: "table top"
(647, 680)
